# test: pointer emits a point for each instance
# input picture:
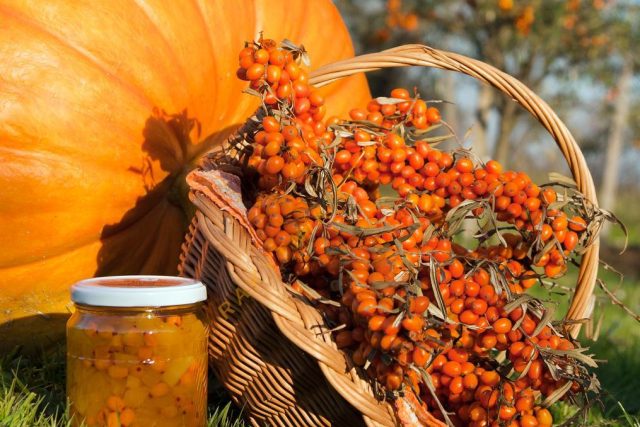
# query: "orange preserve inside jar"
(137, 352)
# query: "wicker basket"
(270, 348)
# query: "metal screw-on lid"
(138, 291)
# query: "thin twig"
(616, 301)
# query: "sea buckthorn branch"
(415, 310)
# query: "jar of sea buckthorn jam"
(137, 352)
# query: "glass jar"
(137, 352)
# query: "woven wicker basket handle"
(419, 55)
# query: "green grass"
(619, 345)
(567, 415)
(224, 416)
(32, 390)
(630, 218)
(24, 408)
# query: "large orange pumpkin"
(104, 106)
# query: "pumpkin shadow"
(148, 237)
(42, 332)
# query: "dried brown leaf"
(386, 284)
(382, 100)
(520, 300)
(426, 378)
(547, 317)
(437, 139)
(556, 395)
(436, 289)
(558, 178)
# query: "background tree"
(622, 64)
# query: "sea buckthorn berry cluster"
(374, 152)
(547, 237)
(399, 108)
(389, 324)
(284, 225)
(282, 154)
(416, 311)
(486, 326)
(291, 133)
(274, 71)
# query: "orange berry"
(452, 369)
(293, 70)
(570, 240)
(261, 56)
(479, 306)
(502, 325)
(274, 165)
(464, 165)
(524, 404)
(544, 417)
(358, 114)
(400, 93)
(421, 356)
(528, 421)
(115, 403)
(470, 381)
(493, 167)
(255, 71)
(478, 413)
(506, 412)
(127, 416)
(468, 317)
(276, 57)
(433, 115)
(376, 323)
(535, 369)
(283, 254)
(413, 323)
(284, 91)
(419, 304)
(490, 378)
(549, 195)
(559, 223)
(456, 385)
(387, 341)
(293, 170)
(393, 381)
(577, 224)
